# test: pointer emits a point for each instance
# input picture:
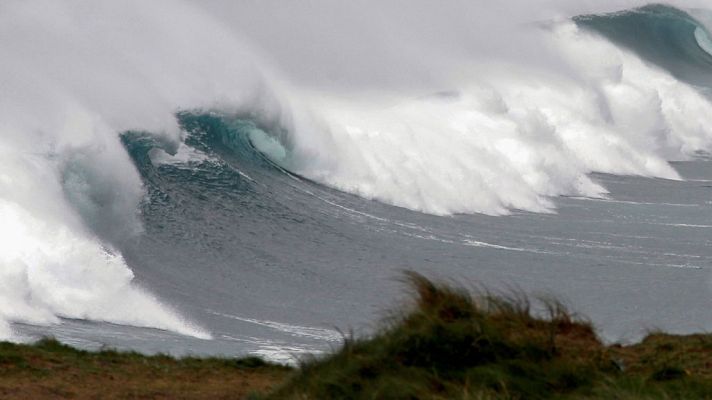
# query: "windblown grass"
(451, 344)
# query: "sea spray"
(511, 140)
(74, 77)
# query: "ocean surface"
(233, 229)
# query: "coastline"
(448, 343)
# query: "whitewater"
(223, 178)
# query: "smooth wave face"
(663, 35)
(233, 176)
(703, 40)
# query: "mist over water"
(74, 76)
(458, 108)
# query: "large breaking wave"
(488, 131)
(510, 138)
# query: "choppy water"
(274, 264)
(251, 229)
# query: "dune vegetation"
(448, 343)
(452, 344)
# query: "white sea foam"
(49, 271)
(689, 225)
(310, 332)
(184, 155)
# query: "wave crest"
(511, 137)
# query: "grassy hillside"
(447, 344)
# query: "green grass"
(49, 369)
(451, 344)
